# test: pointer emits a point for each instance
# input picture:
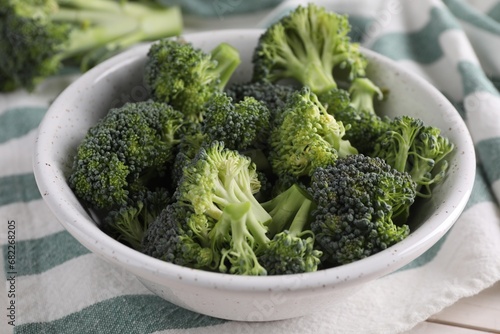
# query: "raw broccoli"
(42, 34)
(220, 184)
(362, 207)
(418, 149)
(291, 248)
(241, 125)
(305, 137)
(179, 236)
(125, 149)
(355, 109)
(272, 94)
(186, 77)
(129, 222)
(307, 45)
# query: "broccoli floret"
(355, 109)
(129, 222)
(307, 45)
(218, 178)
(362, 207)
(119, 155)
(291, 248)
(418, 149)
(273, 95)
(186, 77)
(241, 125)
(42, 34)
(305, 137)
(180, 236)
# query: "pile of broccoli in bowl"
(291, 171)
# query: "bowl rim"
(50, 181)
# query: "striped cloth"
(59, 287)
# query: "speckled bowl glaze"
(237, 297)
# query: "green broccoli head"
(118, 154)
(241, 125)
(305, 137)
(410, 146)
(307, 45)
(186, 77)
(362, 207)
(273, 95)
(179, 236)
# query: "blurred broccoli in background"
(38, 36)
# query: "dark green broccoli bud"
(410, 146)
(186, 77)
(362, 207)
(129, 222)
(291, 249)
(240, 126)
(273, 95)
(305, 137)
(120, 153)
(355, 110)
(179, 236)
(307, 45)
(42, 34)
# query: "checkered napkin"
(60, 287)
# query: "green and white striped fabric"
(60, 287)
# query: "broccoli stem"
(120, 26)
(302, 218)
(289, 210)
(228, 59)
(362, 92)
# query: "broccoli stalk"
(363, 92)
(307, 45)
(247, 236)
(291, 249)
(41, 35)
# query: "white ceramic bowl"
(237, 297)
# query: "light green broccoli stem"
(362, 92)
(290, 208)
(247, 236)
(115, 26)
(302, 219)
(228, 59)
